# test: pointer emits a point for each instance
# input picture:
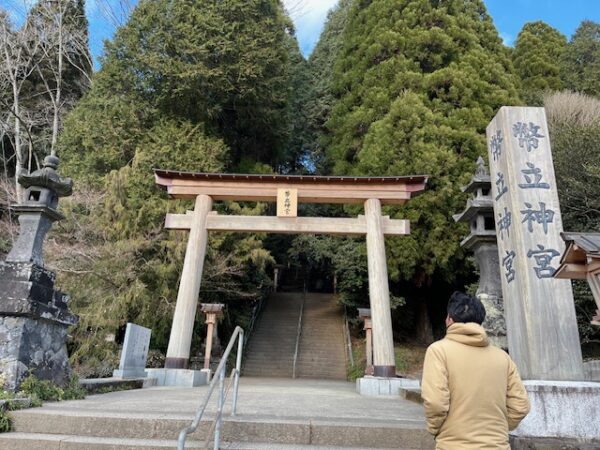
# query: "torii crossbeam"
(287, 191)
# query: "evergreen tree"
(536, 58)
(580, 65)
(417, 82)
(223, 64)
(321, 66)
(185, 85)
(296, 158)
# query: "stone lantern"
(34, 317)
(479, 214)
(212, 311)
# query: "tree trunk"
(424, 329)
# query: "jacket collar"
(468, 333)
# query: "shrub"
(5, 422)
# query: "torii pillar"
(178, 352)
(379, 293)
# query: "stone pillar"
(379, 293)
(542, 330)
(34, 317)
(180, 341)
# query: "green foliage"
(194, 86)
(297, 158)
(73, 390)
(220, 64)
(320, 99)
(102, 134)
(5, 422)
(580, 65)
(416, 84)
(344, 257)
(538, 51)
(42, 389)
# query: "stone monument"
(479, 214)
(134, 353)
(34, 317)
(540, 315)
(541, 326)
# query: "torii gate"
(287, 191)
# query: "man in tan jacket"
(472, 391)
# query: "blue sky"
(309, 17)
(565, 15)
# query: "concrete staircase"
(273, 341)
(282, 414)
(321, 351)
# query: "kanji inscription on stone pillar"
(540, 314)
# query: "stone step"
(273, 343)
(56, 430)
(279, 446)
(30, 441)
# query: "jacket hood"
(468, 333)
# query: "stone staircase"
(321, 351)
(273, 341)
(282, 414)
(153, 433)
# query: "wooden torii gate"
(287, 191)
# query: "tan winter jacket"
(471, 391)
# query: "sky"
(309, 17)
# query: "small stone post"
(365, 315)
(212, 311)
(34, 317)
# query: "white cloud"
(507, 39)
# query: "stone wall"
(32, 346)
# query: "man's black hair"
(465, 308)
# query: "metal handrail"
(255, 313)
(347, 337)
(299, 331)
(220, 377)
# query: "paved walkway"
(259, 398)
